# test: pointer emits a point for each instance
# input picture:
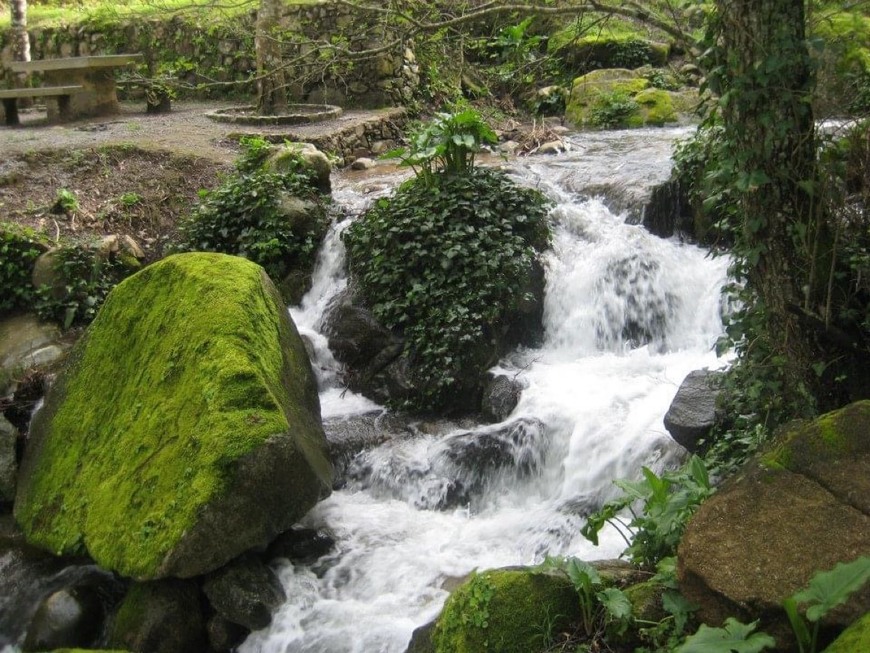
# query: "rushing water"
(627, 316)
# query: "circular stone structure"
(296, 114)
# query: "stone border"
(310, 113)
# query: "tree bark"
(20, 38)
(271, 85)
(769, 128)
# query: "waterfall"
(627, 316)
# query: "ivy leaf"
(734, 637)
(828, 589)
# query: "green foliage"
(442, 261)
(613, 109)
(448, 143)
(602, 608)
(85, 278)
(19, 249)
(734, 637)
(667, 633)
(65, 202)
(471, 609)
(244, 215)
(667, 502)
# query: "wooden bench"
(63, 94)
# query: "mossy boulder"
(184, 430)
(619, 98)
(507, 611)
(855, 639)
(801, 507)
(612, 51)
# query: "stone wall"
(215, 57)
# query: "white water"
(591, 412)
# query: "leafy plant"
(442, 262)
(733, 637)
(449, 142)
(245, 216)
(19, 249)
(826, 590)
(85, 278)
(65, 202)
(667, 502)
(601, 607)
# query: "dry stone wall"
(205, 55)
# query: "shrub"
(441, 261)
(613, 109)
(245, 215)
(19, 249)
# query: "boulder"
(223, 635)
(692, 413)
(801, 507)
(505, 610)
(594, 52)
(68, 617)
(160, 617)
(25, 342)
(184, 430)
(245, 592)
(855, 639)
(284, 158)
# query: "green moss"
(592, 91)
(855, 639)
(509, 611)
(178, 377)
(656, 108)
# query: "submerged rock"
(184, 430)
(802, 507)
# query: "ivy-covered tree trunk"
(271, 87)
(765, 83)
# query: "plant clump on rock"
(446, 262)
(184, 430)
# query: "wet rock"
(26, 342)
(550, 147)
(692, 413)
(245, 592)
(500, 396)
(802, 506)
(301, 545)
(284, 157)
(363, 163)
(356, 337)
(350, 434)
(160, 617)
(223, 635)
(66, 618)
(421, 639)
(8, 464)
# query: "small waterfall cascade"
(627, 316)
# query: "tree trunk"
(271, 87)
(20, 38)
(766, 85)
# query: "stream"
(627, 316)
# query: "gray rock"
(692, 413)
(20, 337)
(66, 618)
(301, 544)
(551, 147)
(8, 465)
(224, 636)
(363, 163)
(245, 592)
(160, 617)
(500, 396)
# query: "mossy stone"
(591, 90)
(655, 108)
(855, 639)
(184, 430)
(505, 610)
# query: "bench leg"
(10, 106)
(63, 108)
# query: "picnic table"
(91, 80)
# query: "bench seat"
(10, 98)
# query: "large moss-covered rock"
(505, 611)
(612, 51)
(802, 507)
(184, 430)
(855, 639)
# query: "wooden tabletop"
(73, 63)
